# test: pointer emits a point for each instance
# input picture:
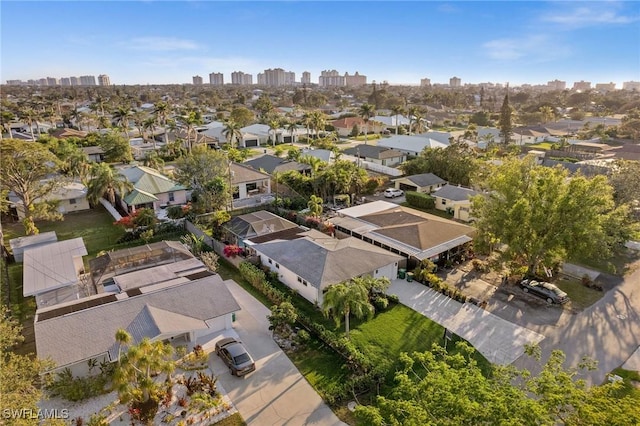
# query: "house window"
(172, 198)
(376, 271)
(444, 202)
(305, 283)
(252, 186)
(270, 261)
(299, 279)
(72, 201)
(277, 266)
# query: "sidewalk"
(500, 341)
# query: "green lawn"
(628, 388)
(581, 296)
(542, 145)
(617, 265)
(233, 420)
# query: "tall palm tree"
(418, 125)
(139, 118)
(154, 161)
(150, 125)
(343, 299)
(307, 121)
(413, 111)
(122, 115)
(78, 117)
(274, 125)
(190, 121)
(161, 110)
(292, 127)
(29, 116)
(548, 113)
(366, 111)
(233, 133)
(319, 122)
(122, 338)
(397, 110)
(105, 182)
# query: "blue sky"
(169, 42)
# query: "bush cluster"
(258, 279)
(159, 230)
(419, 200)
(74, 389)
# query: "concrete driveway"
(276, 393)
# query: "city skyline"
(399, 42)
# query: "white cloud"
(532, 48)
(158, 44)
(572, 15)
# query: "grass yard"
(581, 296)
(542, 145)
(233, 420)
(617, 265)
(434, 212)
(628, 387)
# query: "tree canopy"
(438, 388)
(29, 169)
(206, 172)
(544, 217)
(456, 163)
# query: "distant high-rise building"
(262, 81)
(289, 78)
(74, 81)
(556, 85)
(455, 82)
(52, 81)
(197, 80)
(87, 80)
(331, 78)
(65, 81)
(306, 78)
(238, 77)
(31, 82)
(354, 80)
(104, 80)
(216, 79)
(582, 85)
(14, 82)
(606, 87)
(43, 82)
(631, 85)
(277, 77)
(425, 82)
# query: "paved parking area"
(276, 393)
(500, 341)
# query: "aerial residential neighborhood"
(209, 234)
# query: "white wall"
(220, 323)
(290, 279)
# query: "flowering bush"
(232, 250)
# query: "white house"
(456, 200)
(410, 145)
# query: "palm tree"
(274, 125)
(29, 115)
(548, 113)
(122, 338)
(319, 122)
(105, 182)
(315, 206)
(232, 132)
(122, 115)
(397, 110)
(345, 298)
(366, 111)
(418, 125)
(292, 127)
(191, 120)
(139, 118)
(161, 110)
(154, 161)
(413, 111)
(150, 125)
(78, 117)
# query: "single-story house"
(151, 189)
(21, 244)
(95, 154)
(52, 272)
(76, 332)
(377, 154)
(272, 164)
(425, 183)
(66, 132)
(311, 264)
(70, 197)
(325, 155)
(413, 234)
(410, 145)
(251, 225)
(344, 126)
(253, 186)
(442, 137)
(456, 200)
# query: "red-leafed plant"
(232, 250)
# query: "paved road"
(500, 341)
(276, 393)
(608, 331)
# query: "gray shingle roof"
(326, 261)
(271, 163)
(454, 193)
(89, 333)
(425, 179)
(371, 151)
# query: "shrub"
(419, 200)
(393, 298)
(210, 260)
(74, 389)
(380, 303)
(303, 336)
(480, 266)
(232, 250)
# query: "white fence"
(112, 210)
(374, 167)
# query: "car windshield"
(241, 359)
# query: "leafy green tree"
(457, 164)
(263, 105)
(281, 316)
(29, 171)
(625, 180)
(341, 177)
(73, 161)
(505, 125)
(116, 148)
(21, 376)
(206, 173)
(106, 182)
(121, 116)
(548, 113)
(343, 299)
(191, 120)
(315, 206)
(544, 217)
(366, 111)
(144, 217)
(29, 116)
(134, 375)
(242, 116)
(154, 161)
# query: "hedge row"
(420, 200)
(258, 279)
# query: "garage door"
(406, 187)
(251, 142)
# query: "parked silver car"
(548, 291)
(234, 354)
(393, 193)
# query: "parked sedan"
(392, 193)
(234, 354)
(547, 291)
